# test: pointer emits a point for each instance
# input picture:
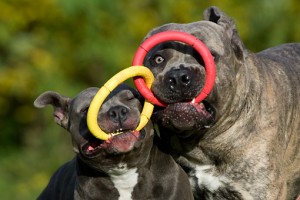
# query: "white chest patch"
(124, 180)
(206, 178)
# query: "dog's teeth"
(120, 130)
(206, 126)
(117, 132)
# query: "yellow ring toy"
(106, 89)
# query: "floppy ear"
(60, 105)
(214, 14)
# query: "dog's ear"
(60, 105)
(214, 14)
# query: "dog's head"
(180, 73)
(119, 113)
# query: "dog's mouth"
(120, 142)
(183, 117)
(205, 109)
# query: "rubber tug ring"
(186, 38)
(105, 90)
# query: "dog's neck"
(124, 179)
(217, 142)
(244, 96)
(205, 146)
(118, 181)
(123, 182)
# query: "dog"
(243, 140)
(127, 166)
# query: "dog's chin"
(120, 143)
(185, 117)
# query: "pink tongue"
(90, 148)
(121, 143)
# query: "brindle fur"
(252, 147)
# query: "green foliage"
(69, 45)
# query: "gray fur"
(110, 172)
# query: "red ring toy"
(186, 38)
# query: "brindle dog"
(243, 141)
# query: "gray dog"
(243, 141)
(127, 166)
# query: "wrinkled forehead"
(211, 34)
(176, 51)
(119, 95)
(122, 93)
(125, 97)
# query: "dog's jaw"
(185, 116)
(121, 143)
(117, 144)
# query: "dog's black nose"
(178, 79)
(118, 113)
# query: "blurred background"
(68, 45)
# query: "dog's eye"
(158, 59)
(131, 97)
